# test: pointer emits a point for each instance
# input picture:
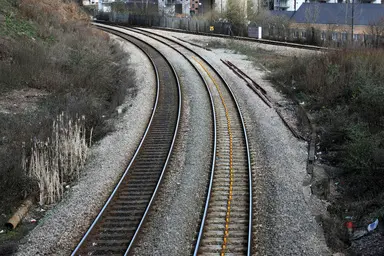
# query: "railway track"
(114, 230)
(227, 217)
(239, 38)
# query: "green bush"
(346, 90)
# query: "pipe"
(20, 213)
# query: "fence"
(278, 33)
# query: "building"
(220, 6)
(288, 5)
(103, 5)
(90, 2)
(294, 5)
(178, 8)
(340, 21)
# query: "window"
(303, 34)
(334, 36)
(356, 37)
(344, 36)
(323, 35)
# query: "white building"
(174, 7)
(91, 2)
(104, 5)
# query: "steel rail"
(145, 136)
(238, 38)
(250, 39)
(214, 142)
(144, 32)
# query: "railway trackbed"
(227, 217)
(115, 228)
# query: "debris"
(337, 183)
(373, 225)
(2, 231)
(33, 221)
(348, 217)
(67, 187)
(359, 234)
(349, 225)
(42, 210)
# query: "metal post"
(353, 16)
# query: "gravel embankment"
(284, 223)
(172, 224)
(63, 226)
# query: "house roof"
(287, 14)
(335, 13)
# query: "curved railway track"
(227, 217)
(114, 230)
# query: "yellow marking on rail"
(231, 174)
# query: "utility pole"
(221, 2)
(353, 17)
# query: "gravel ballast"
(283, 221)
(63, 226)
(175, 217)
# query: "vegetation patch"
(344, 92)
(52, 62)
(255, 54)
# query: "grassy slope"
(49, 46)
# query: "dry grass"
(56, 12)
(49, 46)
(58, 160)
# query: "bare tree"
(236, 15)
(376, 29)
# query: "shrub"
(52, 48)
(345, 88)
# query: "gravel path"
(284, 223)
(63, 226)
(172, 225)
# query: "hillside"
(51, 62)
